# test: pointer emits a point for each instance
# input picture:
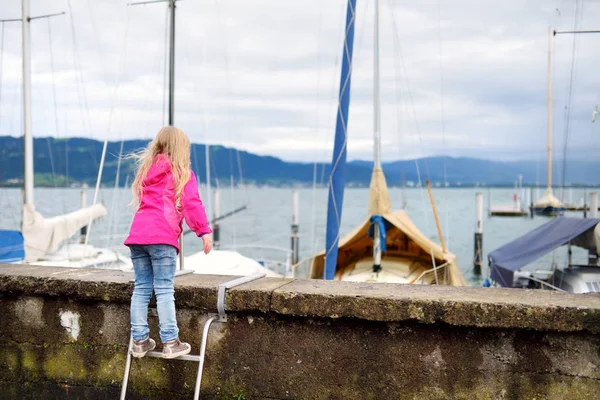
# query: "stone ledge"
(459, 306)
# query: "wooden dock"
(572, 207)
(508, 212)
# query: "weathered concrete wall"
(64, 334)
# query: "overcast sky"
(263, 75)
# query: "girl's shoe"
(175, 348)
(141, 347)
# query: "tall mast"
(376, 95)
(172, 64)
(28, 137)
(376, 135)
(172, 95)
(549, 110)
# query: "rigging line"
(237, 152)
(56, 133)
(111, 222)
(17, 99)
(95, 35)
(398, 54)
(410, 97)
(78, 75)
(333, 97)
(443, 120)
(313, 227)
(152, 92)
(207, 148)
(225, 37)
(401, 124)
(567, 116)
(115, 99)
(232, 186)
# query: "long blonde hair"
(175, 145)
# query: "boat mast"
(376, 95)
(172, 95)
(27, 135)
(376, 134)
(172, 64)
(549, 111)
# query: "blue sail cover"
(533, 245)
(12, 247)
(338, 164)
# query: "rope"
(398, 56)
(79, 76)
(110, 116)
(567, 116)
(111, 223)
(54, 103)
(443, 121)
(313, 228)
(225, 36)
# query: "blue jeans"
(154, 266)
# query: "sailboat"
(41, 240)
(548, 205)
(387, 246)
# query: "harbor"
(299, 201)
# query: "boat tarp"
(11, 246)
(542, 240)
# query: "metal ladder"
(220, 317)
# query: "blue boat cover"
(12, 247)
(533, 245)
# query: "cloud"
(263, 76)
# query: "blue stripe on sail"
(338, 164)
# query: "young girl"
(166, 190)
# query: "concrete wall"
(64, 334)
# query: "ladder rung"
(187, 357)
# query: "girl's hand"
(207, 243)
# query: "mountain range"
(66, 162)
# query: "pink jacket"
(157, 220)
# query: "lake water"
(268, 218)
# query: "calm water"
(267, 220)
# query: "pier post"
(83, 230)
(593, 257)
(594, 205)
(478, 248)
(216, 214)
(531, 203)
(295, 240)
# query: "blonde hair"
(175, 145)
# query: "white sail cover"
(548, 200)
(44, 235)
